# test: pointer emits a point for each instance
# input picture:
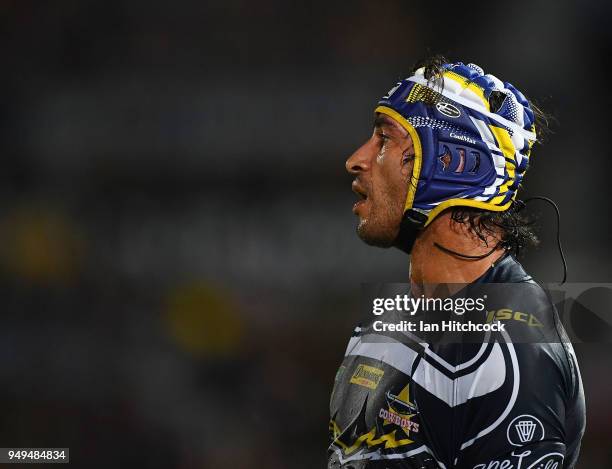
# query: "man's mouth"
(361, 193)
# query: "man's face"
(382, 167)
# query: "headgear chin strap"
(466, 152)
(412, 223)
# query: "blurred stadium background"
(179, 270)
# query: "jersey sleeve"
(538, 425)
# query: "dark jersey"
(402, 401)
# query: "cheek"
(394, 183)
(390, 178)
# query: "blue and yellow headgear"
(466, 154)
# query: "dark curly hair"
(513, 226)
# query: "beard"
(380, 227)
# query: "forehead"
(382, 120)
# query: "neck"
(430, 264)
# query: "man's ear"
(407, 163)
(407, 159)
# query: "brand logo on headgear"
(392, 90)
(465, 138)
(448, 109)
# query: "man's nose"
(359, 161)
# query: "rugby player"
(438, 179)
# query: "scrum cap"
(472, 137)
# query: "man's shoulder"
(511, 291)
(506, 270)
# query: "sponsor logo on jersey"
(448, 109)
(524, 429)
(367, 376)
(400, 411)
(546, 461)
(509, 315)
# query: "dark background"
(178, 263)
